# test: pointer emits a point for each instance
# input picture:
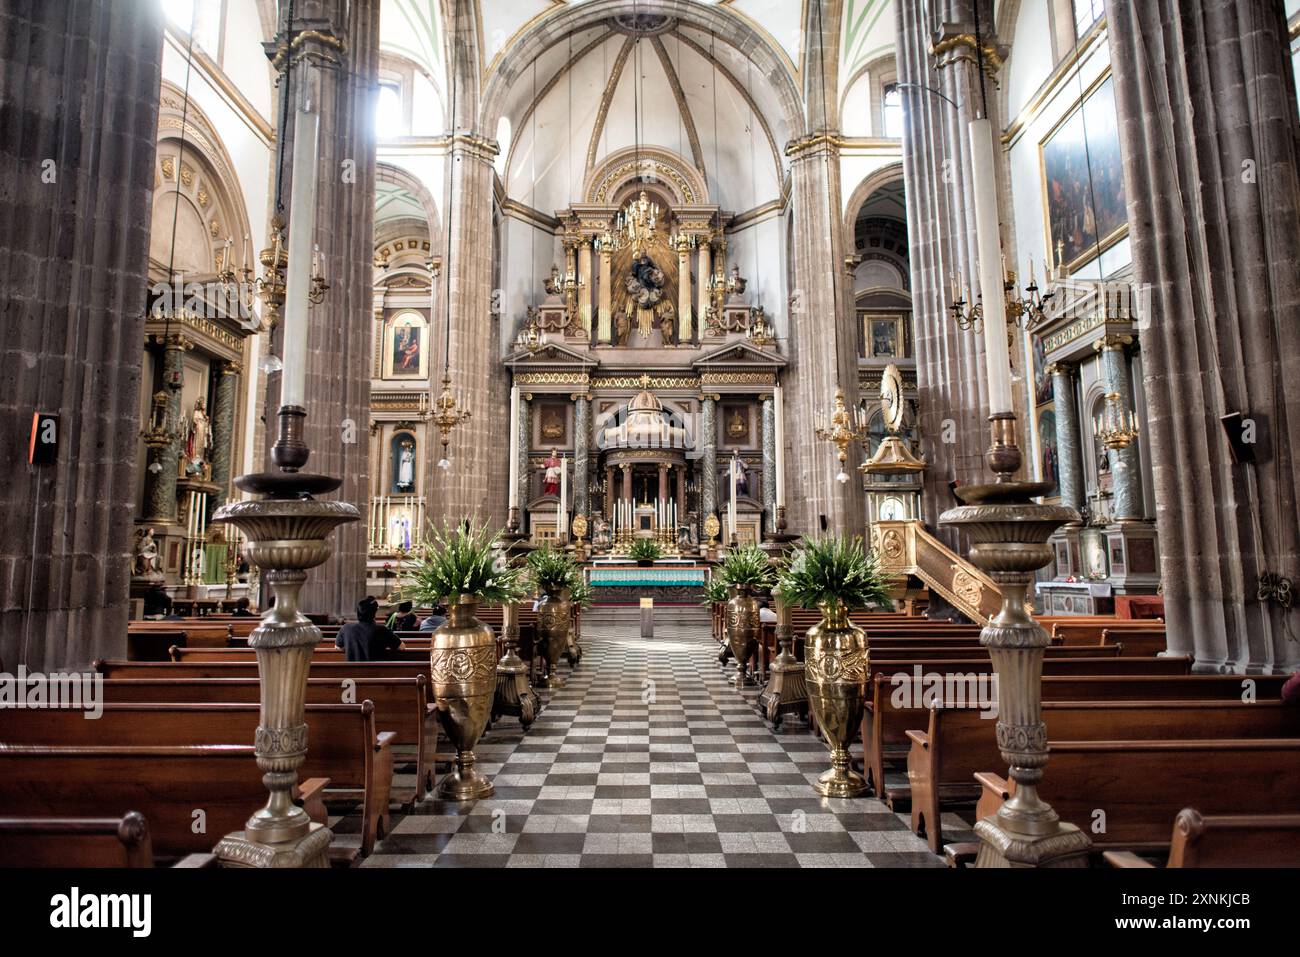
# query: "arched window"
(388, 112)
(891, 112)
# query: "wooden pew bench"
(343, 743)
(1225, 840)
(168, 785)
(1136, 641)
(1089, 631)
(79, 842)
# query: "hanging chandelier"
(844, 427)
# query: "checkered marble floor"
(648, 757)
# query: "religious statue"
(667, 324)
(737, 469)
(198, 440)
(683, 538)
(622, 328)
(645, 295)
(604, 537)
(406, 468)
(551, 480)
(146, 562)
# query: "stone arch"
(609, 177)
(883, 176)
(396, 176)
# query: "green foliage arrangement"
(715, 590)
(823, 571)
(552, 571)
(645, 550)
(748, 565)
(460, 560)
(580, 594)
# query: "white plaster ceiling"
(394, 202)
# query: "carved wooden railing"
(908, 548)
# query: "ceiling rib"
(605, 100)
(697, 154)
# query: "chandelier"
(844, 427)
(446, 417)
(634, 226)
(1115, 427)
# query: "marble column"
(709, 460)
(581, 453)
(525, 440)
(588, 281)
(769, 462)
(681, 493)
(160, 486)
(223, 432)
(663, 483)
(340, 42)
(609, 493)
(1206, 103)
(605, 320)
(1069, 453)
(627, 482)
(684, 333)
(951, 382)
(1126, 501)
(78, 133)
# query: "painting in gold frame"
(406, 347)
(883, 336)
(1083, 179)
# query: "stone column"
(709, 461)
(160, 486)
(684, 333)
(223, 432)
(585, 276)
(1209, 139)
(952, 391)
(81, 83)
(609, 493)
(681, 493)
(769, 461)
(525, 440)
(1126, 503)
(605, 322)
(581, 444)
(1069, 453)
(663, 482)
(337, 49)
(627, 482)
(702, 272)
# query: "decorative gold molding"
(964, 46)
(552, 378)
(1029, 112)
(738, 378)
(635, 382)
(1113, 340)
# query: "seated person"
(403, 619)
(241, 609)
(365, 639)
(437, 618)
(157, 602)
(764, 612)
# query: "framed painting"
(736, 425)
(1049, 460)
(406, 347)
(553, 424)
(1083, 180)
(884, 336)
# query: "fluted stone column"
(609, 493)
(1209, 139)
(339, 329)
(584, 293)
(223, 432)
(160, 486)
(702, 272)
(1126, 500)
(1069, 453)
(581, 454)
(951, 383)
(80, 82)
(605, 316)
(684, 333)
(769, 461)
(709, 460)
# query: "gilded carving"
(463, 664)
(967, 587)
(892, 548)
(280, 742)
(846, 666)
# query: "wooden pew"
(1141, 785)
(343, 744)
(168, 785)
(402, 706)
(338, 671)
(154, 644)
(1136, 641)
(959, 742)
(1089, 632)
(321, 653)
(77, 842)
(1226, 840)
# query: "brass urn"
(463, 672)
(742, 628)
(836, 675)
(554, 613)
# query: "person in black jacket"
(403, 619)
(365, 639)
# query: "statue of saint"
(737, 468)
(198, 440)
(146, 561)
(551, 480)
(406, 468)
(603, 539)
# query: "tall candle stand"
(514, 695)
(285, 532)
(1008, 534)
(786, 691)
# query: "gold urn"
(463, 672)
(554, 613)
(742, 628)
(836, 675)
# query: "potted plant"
(646, 551)
(835, 575)
(744, 570)
(461, 566)
(554, 576)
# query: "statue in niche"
(198, 439)
(147, 563)
(603, 538)
(736, 468)
(667, 324)
(551, 480)
(406, 468)
(645, 290)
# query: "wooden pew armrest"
(197, 861)
(310, 794)
(961, 854)
(994, 789)
(1125, 859)
(384, 739)
(920, 739)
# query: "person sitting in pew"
(365, 639)
(156, 601)
(403, 619)
(436, 619)
(1291, 689)
(241, 609)
(765, 614)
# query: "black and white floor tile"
(648, 757)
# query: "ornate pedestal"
(1009, 536)
(514, 695)
(786, 692)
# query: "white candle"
(302, 221)
(779, 413)
(561, 518)
(514, 446)
(988, 236)
(732, 509)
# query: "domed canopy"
(645, 424)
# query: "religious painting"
(1049, 461)
(736, 424)
(406, 352)
(1083, 181)
(884, 337)
(403, 464)
(1043, 385)
(553, 423)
